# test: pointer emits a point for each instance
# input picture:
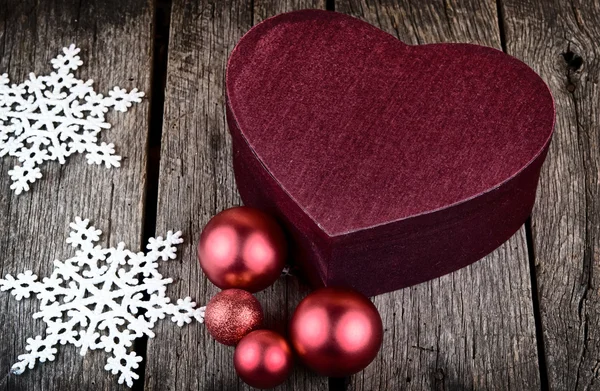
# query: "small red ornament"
(336, 332)
(242, 248)
(263, 359)
(231, 315)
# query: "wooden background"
(524, 318)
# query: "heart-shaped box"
(389, 164)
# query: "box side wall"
(397, 255)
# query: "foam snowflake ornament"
(103, 298)
(51, 117)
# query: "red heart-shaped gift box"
(389, 164)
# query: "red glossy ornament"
(263, 359)
(336, 331)
(232, 314)
(242, 248)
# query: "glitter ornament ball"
(231, 315)
(336, 331)
(263, 359)
(242, 248)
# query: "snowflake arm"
(184, 311)
(70, 61)
(23, 286)
(83, 236)
(126, 370)
(22, 177)
(103, 153)
(40, 349)
(121, 100)
(164, 248)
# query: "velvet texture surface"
(389, 164)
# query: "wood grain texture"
(559, 40)
(196, 181)
(116, 43)
(472, 329)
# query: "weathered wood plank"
(559, 39)
(196, 181)
(116, 42)
(473, 329)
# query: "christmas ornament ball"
(242, 248)
(231, 314)
(263, 359)
(336, 331)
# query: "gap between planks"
(537, 315)
(161, 20)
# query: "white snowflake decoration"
(52, 117)
(96, 300)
